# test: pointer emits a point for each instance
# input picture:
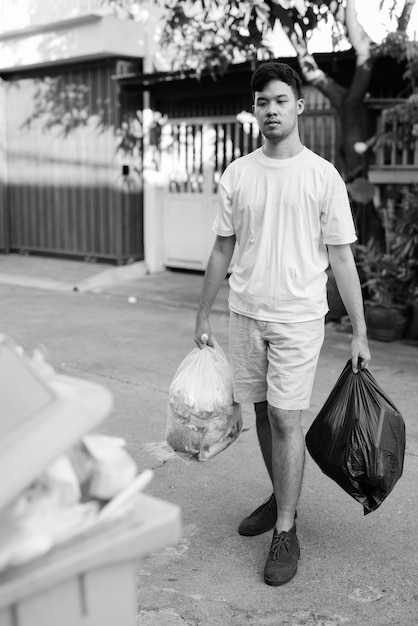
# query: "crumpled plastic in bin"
(358, 438)
(96, 480)
(43, 515)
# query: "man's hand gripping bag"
(202, 418)
(358, 438)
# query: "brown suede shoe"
(261, 520)
(282, 560)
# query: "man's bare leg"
(288, 458)
(262, 423)
(283, 450)
(264, 517)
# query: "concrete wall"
(89, 37)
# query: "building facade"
(104, 158)
(64, 187)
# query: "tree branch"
(312, 73)
(361, 43)
(405, 16)
(358, 37)
(360, 83)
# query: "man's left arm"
(346, 276)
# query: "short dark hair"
(273, 70)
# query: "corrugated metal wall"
(4, 239)
(66, 194)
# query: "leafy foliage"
(382, 275)
(130, 134)
(401, 120)
(394, 45)
(405, 242)
(404, 121)
(390, 275)
(211, 34)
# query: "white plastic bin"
(90, 581)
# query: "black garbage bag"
(358, 438)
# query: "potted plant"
(386, 287)
(405, 250)
(388, 267)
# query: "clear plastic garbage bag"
(202, 418)
(358, 438)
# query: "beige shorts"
(274, 361)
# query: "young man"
(288, 211)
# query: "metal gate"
(195, 152)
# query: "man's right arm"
(215, 274)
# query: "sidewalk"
(170, 287)
(45, 272)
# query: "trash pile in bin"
(91, 483)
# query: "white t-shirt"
(283, 212)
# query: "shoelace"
(279, 540)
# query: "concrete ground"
(129, 331)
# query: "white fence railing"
(195, 149)
(394, 157)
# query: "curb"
(113, 276)
(45, 284)
(95, 283)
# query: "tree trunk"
(353, 120)
(349, 105)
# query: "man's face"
(276, 109)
